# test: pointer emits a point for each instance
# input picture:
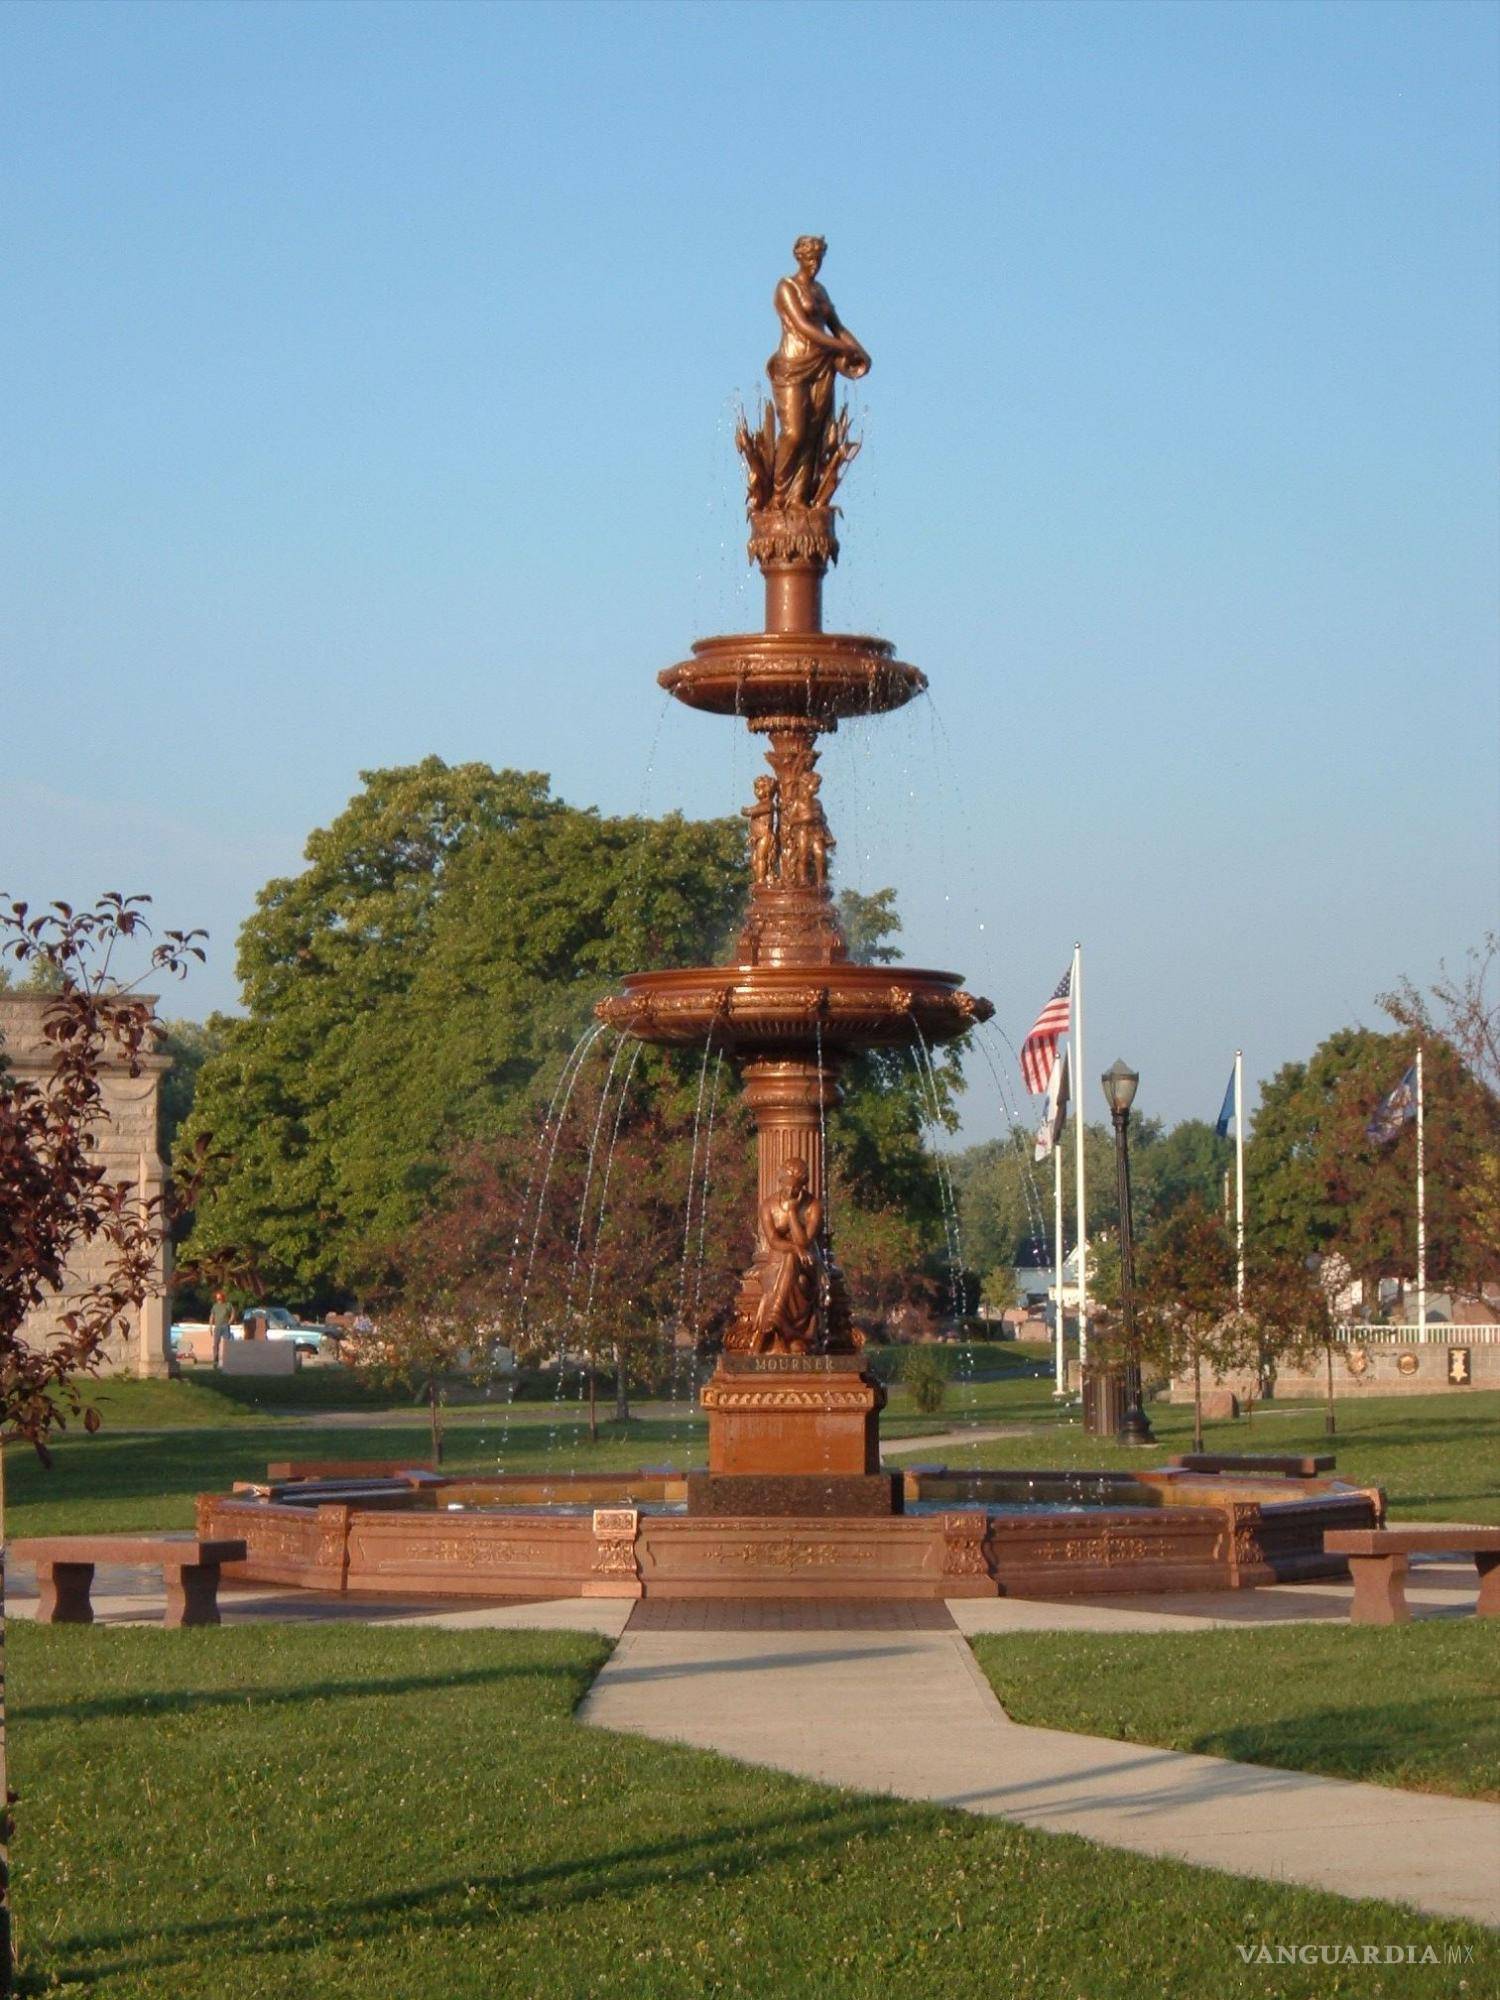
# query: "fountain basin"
(799, 1006)
(987, 1534)
(805, 676)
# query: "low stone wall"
(1374, 1368)
(258, 1357)
(1167, 1530)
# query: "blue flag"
(1226, 1110)
(1394, 1111)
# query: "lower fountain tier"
(746, 1007)
(799, 677)
(962, 1535)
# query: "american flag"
(1039, 1050)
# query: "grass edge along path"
(314, 1813)
(1412, 1706)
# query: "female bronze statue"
(815, 346)
(793, 1280)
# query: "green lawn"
(119, 1480)
(299, 1813)
(987, 1384)
(1413, 1706)
(163, 1442)
(1436, 1456)
(200, 1396)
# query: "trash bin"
(1103, 1401)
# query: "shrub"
(924, 1370)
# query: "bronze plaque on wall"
(1458, 1366)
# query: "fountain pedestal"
(793, 1434)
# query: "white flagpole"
(1239, 1178)
(1076, 1054)
(1060, 1361)
(1421, 1207)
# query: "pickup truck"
(193, 1338)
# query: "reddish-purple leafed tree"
(603, 1232)
(57, 1197)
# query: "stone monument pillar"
(127, 1142)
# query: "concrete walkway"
(953, 1440)
(910, 1713)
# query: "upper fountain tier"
(794, 674)
(803, 675)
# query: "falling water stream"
(588, 1374)
(604, 1180)
(680, 1348)
(708, 1150)
(926, 1072)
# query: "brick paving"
(785, 1614)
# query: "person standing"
(220, 1319)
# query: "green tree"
(924, 1372)
(1001, 1200)
(40, 976)
(1168, 1167)
(596, 1229)
(999, 1292)
(1186, 1316)
(189, 1044)
(1289, 1307)
(1316, 1184)
(870, 923)
(441, 950)
(1005, 1200)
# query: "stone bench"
(65, 1572)
(1291, 1465)
(1377, 1559)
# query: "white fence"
(1437, 1331)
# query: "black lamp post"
(1119, 1089)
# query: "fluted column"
(791, 1097)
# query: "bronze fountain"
(791, 1409)
(794, 1501)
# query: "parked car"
(192, 1340)
(283, 1324)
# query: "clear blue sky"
(370, 381)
